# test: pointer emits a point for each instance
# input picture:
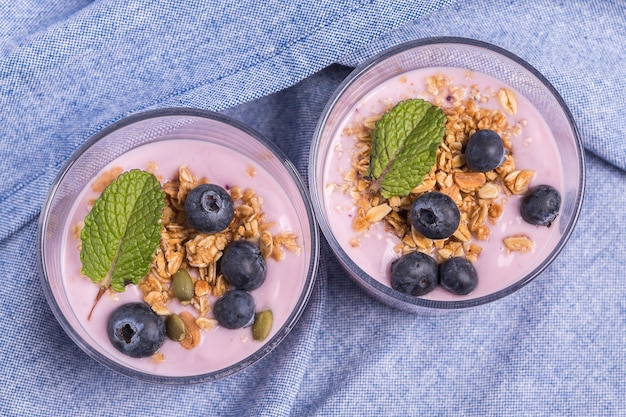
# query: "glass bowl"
(467, 78)
(225, 152)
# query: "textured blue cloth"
(555, 348)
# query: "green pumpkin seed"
(182, 286)
(175, 327)
(262, 325)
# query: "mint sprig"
(404, 146)
(122, 231)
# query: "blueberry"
(435, 215)
(458, 276)
(484, 151)
(414, 273)
(209, 208)
(135, 330)
(540, 205)
(243, 265)
(234, 309)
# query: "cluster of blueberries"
(436, 216)
(134, 329)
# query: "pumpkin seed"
(175, 327)
(182, 286)
(262, 325)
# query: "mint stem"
(101, 292)
(376, 183)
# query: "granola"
(199, 253)
(481, 197)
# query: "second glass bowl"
(461, 76)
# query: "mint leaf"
(122, 231)
(404, 146)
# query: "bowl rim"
(268, 346)
(381, 291)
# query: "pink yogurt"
(534, 148)
(220, 347)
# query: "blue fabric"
(557, 347)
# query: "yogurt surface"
(533, 148)
(219, 347)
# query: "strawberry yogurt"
(533, 147)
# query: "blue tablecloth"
(556, 348)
